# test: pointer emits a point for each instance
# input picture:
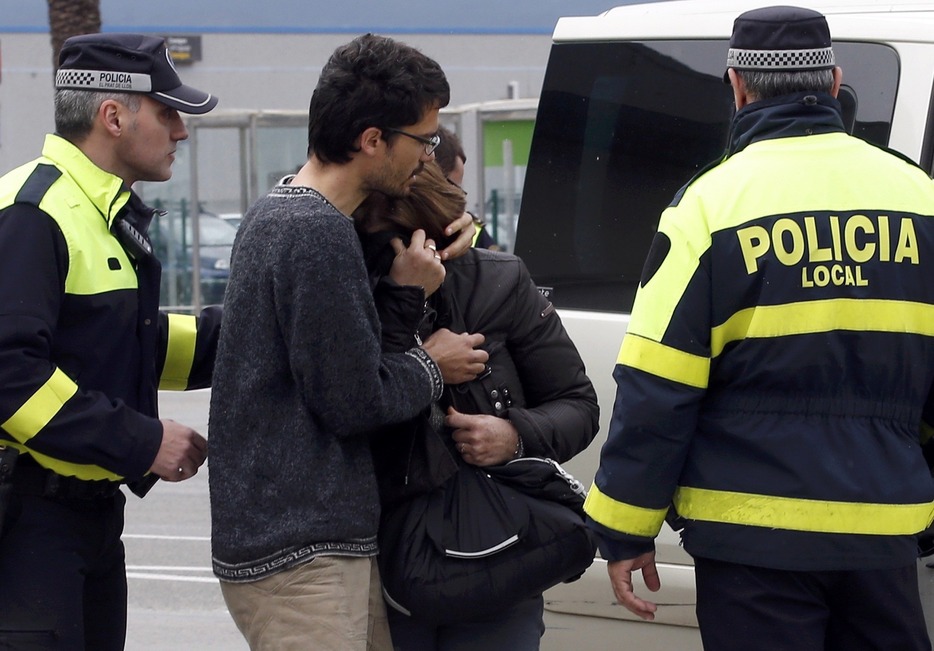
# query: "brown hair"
(432, 203)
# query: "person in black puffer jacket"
(547, 406)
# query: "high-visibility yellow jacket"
(83, 346)
(780, 356)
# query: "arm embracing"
(326, 314)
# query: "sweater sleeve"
(326, 313)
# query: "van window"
(620, 128)
(927, 147)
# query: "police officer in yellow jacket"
(776, 370)
(84, 347)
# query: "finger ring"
(461, 447)
(431, 246)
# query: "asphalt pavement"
(175, 603)
(174, 600)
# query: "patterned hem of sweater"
(289, 558)
(434, 373)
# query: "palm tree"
(70, 18)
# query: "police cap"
(127, 63)
(780, 38)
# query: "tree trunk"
(71, 18)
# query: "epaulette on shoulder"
(38, 183)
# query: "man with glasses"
(301, 381)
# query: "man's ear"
(110, 116)
(740, 99)
(370, 140)
(837, 81)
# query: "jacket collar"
(107, 192)
(800, 114)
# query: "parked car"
(632, 106)
(171, 235)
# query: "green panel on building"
(517, 131)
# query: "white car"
(633, 105)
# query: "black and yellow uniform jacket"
(780, 356)
(83, 346)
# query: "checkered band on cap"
(817, 59)
(128, 82)
(74, 78)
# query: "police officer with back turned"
(776, 371)
(84, 347)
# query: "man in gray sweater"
(300, 380)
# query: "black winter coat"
(553, 403)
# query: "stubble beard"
(396, 190)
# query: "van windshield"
(620, 128)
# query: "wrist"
(520, 448)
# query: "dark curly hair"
(373, 81)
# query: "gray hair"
(766, 84)
(75, 110)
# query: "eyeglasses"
(430, 143)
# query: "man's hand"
(181, 453)
(465, 230)
(621, 579)
(456, 355)
(419, 264)
(483, 440)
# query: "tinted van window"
(620, 128)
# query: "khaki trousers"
(332, 603)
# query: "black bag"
(484, 541)
(487, 538)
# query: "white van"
(633, 104)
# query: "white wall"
(264, 71)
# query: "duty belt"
(30, 478)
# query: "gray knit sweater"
(299, 382)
